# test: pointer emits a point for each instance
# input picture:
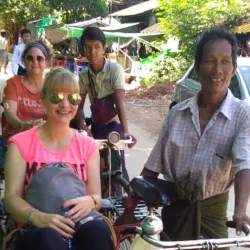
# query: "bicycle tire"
(116, 180)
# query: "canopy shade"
(59, 34)
(130, 35)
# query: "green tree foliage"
(15, 13)
(73, 10)
(166, 70)
(187, 19)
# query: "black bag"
(103, 109)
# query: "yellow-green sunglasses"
(73, 99)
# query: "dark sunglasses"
(73, 99)
(31, 58)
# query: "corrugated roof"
(137, 9)
(126, 2)
(155, 28)
(88, 22)
(244, 28)
(119, 26)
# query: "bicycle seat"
(152, 190)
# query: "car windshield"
(245, 72)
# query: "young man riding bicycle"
(203, 147)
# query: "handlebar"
(194, 244)
(113, 141)
(117, 146)
(245, 228)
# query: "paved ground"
(136, 157)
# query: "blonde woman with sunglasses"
(51, 142)
(23, 106)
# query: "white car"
(189, 84)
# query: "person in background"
(204, 148)
(17, 66)
(101, 79)
(9, 55)
(22, 101)
(247, 50)
(3, 50)
(53, 142)
(83, 61)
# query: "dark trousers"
(93, 235)
(21, 71)
(101, 132)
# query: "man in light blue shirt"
(17, 65)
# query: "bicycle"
(112, 180)
(130, 211)
(152, 240)
(113, 185)
(148, 232)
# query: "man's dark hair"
(216, 34)
(3, 33)
(25, 31)
(93, 33)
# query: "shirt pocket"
(220, 166)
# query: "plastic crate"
(70, 66)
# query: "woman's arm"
(94, 181)
(10, 112)
(14, 181)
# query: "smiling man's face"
(216, 67)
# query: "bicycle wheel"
(119, 187)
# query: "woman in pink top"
(51, 142)
(22, 102)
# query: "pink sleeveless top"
(77, 154)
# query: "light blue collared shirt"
(212, 158)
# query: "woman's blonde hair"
(60, 80)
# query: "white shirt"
(109, 79)
(17, 57)
(3, 43)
